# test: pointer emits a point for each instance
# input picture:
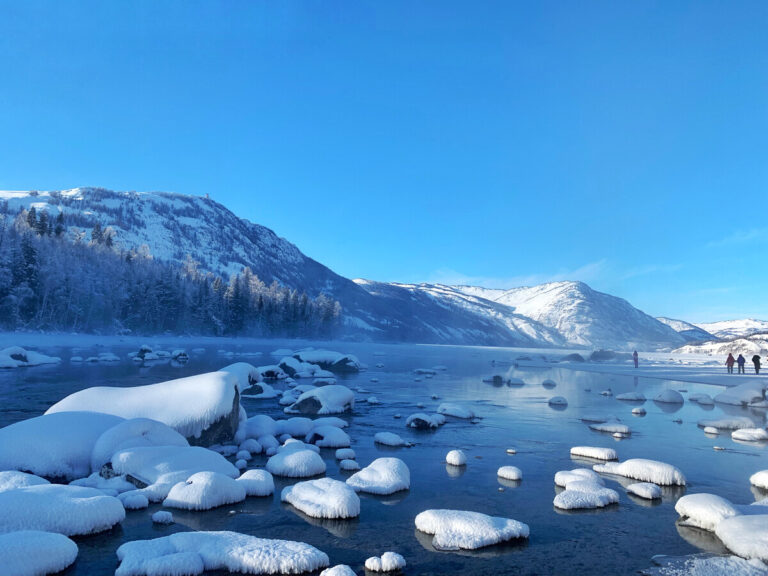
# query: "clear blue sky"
(620, 143)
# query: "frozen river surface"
(618, 539)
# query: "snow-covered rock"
(594, 452)
(323, 498)
(564, 477)
(644, 470)
(702, 399)
(133, 500)
(205, 490)
(456, 458)
(760, 479)
(18, 357)
(611, 428)
(388, 439)
(186, 553)
(646, 490)
(509, 473)
(387, 562)
(746, 536)
(750, 435)
(338, 570)
(345, 454)
(455, 410)
(631, 397)
(383, 476)
(329, 360)
(743, 394)
(162, 517)
(728, 423)
(349, 465)
(333, 399)
(296, 463)
(68, 510)
(35, 553)
(670, 396)
(704, 511)
(422, 421)
(12, 479)
(558, 401)
(257, 482)
(328, 437)
(458, 529)
(583, 494)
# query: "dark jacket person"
(756, 362)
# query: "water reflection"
(455, 471)
(508, 483)
(668, 407)
(495, 551)
(339, 527)
(701, 539)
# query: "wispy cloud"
(650, 270)
(740, 237)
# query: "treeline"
(52, 278)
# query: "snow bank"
(704, 511)
(383, 476)
(195, 552)
(388, 439)
(594, 452)
(422, 421)
(387, 562)
(35, 553)
(760, 479)
(584, 494)
(644, 470)
(12, 479)
(323, 498)
(68, 510)
(296, 463)
(458, 529)
(750, 435)
(132, 434)
(670, 397)
(646, 490)
(188, 405)
(746, 536)
(455, 410)
(257, 482)
(329, 437)
(18, 357)
(509, 473)
(55, 446)
(456, 458)
(332, 399)
(205, 490)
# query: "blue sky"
(501, 143)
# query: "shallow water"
(619, 539)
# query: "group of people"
(741, 361)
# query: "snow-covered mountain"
(690, 332)
(175, 227)
(748, 346)
(735, 328)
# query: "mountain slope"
(735, 328)
(690, 332)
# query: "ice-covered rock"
(455, 410)
(704, 511)
(750, 435)
(132, 434)
(760, 479)
(205, 407)
(388, 439)
(670, 396)
(387, 562)
(12, 479)
(328, 437)
(644, 470)
(162, 517)
(383, 476)
(205, 490)
(323, 498)
(54, 446)
(18, 357)
(646, 490)
(333, 399)
(68, 510)
(301, 463)
(422, 421)
(187, 553)
(594, 452)
(746, 536)
(509, 473)
(35, 553)
(456, 458)
(458, 529)
(257, 482)
(584, 494)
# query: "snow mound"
(644, 470)
(162, 517)
(422, 421)
(760, 479)
(462, 530)
(388, 439)
(611, 428)
(584, 494)
(509, 473)
(12, 479)
(188, 405)
(743, 394)
(646, 490)
(750, 435)
(383, 476)
(133, 500)
(594, 452)
(323, 498)
(296, 463)
(257, 482)
(328, 437)
(349, 465)
(631, 397)
(338, 570)
(732, 423)
(35, 553)
(565, 477)
(704, 511)
(332, 399)
(558, 401)
(132, 434)
(388, 562)
(746, 536)
(195, 552)
(456, 458)
(205, 490)
(345, 454)
(18, 357)
(670, 397)
(68, 510)
(54, 446)
(702, 399)
(455, 410)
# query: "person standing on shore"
(756, 362)
(741, 361)
(634, 357)
(729, 362)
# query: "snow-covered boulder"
(338, 570)
(631, 397)
(205, 490)
(328, 437)
(162, 517)
(132, 434)
(646, 490)
(389, 439)
(594, 452)
(383, 476)
(760, 479)
(727, 423)
(456, 458)
(746, 536)
(195, 552)
(329, 360)
(704, 511)
(257, 482)
(18, 357)
(296, 463)
(12, 479)
(35, 553)
(68, 510)
(387, 562)
(509, 473)
(345, 454)
(422, 421)
(750, 435)
(564, 477)
(644, 470)
(584, 494)
(455, 410)
(743, 394)
(54, 446)
(205, 407)
(323, 498)
(459, 529)
(558, 401)
(670, 396)
(333, 399)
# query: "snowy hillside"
(748, 346)
(735, 328)
(690, 332)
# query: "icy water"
(619, 539)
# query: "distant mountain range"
(175, 227)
